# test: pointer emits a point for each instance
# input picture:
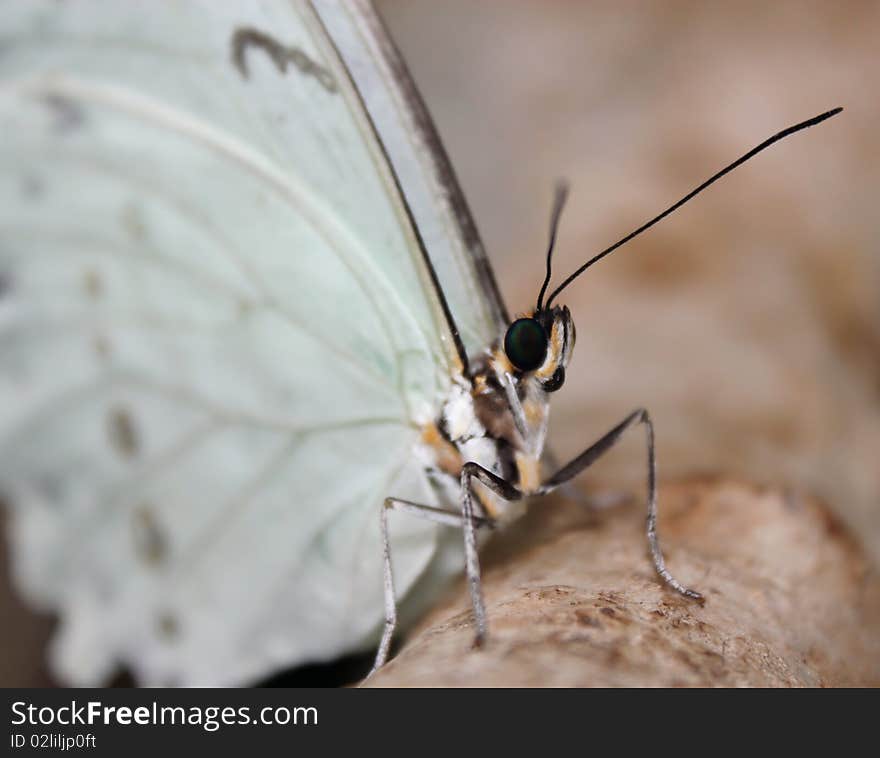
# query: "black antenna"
(766, 143)
(559, 197)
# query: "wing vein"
(372, 281)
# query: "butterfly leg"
(586, 458)
(503, 489)
(426, 512)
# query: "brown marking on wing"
(280, 55)
(133, 223)
(101, 346)
(150, 543)
(122, 432)
(67, 115)
(93, 284)
(168, 626)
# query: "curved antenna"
(754, 151)
(560, 195)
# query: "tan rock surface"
(790, 600)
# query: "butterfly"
(259, 391)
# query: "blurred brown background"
(749, 322)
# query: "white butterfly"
(242, 302)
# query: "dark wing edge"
(462, 366)
(440, 163)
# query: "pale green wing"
(420, 162)
(218, 337)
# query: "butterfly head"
(538, 345)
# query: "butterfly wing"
(420, 163)
(218, 337)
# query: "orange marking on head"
(554, 353)
(502, 363)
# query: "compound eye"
(526, 344)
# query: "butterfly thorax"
(497, 417)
